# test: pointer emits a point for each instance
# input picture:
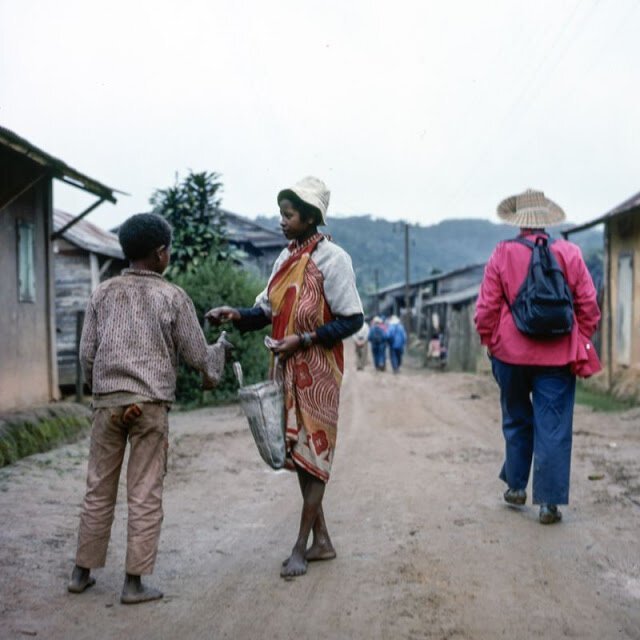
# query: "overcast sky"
(414, 110)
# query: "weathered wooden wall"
(461, 338)
(464, 350)
(77, 274)
(624, 236)
(73, 290)
(450, 283)
(27, 367)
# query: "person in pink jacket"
(536, 375)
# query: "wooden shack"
(451, 316)
(391, 300)
(620, 324)
(257, 247)
(442, 303)
(84, 256)
(28, 371)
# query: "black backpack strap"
(527, 243)
(524, 241)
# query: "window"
(624, 310)
(26, 260)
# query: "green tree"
(214, 283)
(192, 208)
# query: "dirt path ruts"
(426, 548)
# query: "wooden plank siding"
(622, 361)
(28, 334)
(73, 290)
(28, 373)
(77, 274)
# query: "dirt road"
(426, 548)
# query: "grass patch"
(40, 429)
(601, 401)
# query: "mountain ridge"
(378, 244)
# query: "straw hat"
(531, 210)
(312, 191)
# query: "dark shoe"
(549, 514)
(515, 496)
(146, 595)
(81, 579)
(134, 592)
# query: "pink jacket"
(504, 274)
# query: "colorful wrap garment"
(312, 376)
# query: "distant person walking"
(378, 341)
(360, 341)
(436, 350)
(536, 373)
(397, 339)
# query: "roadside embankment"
(39, 429)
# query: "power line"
(623, 23)
(470, 175)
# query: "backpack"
(543, 307)
(376, 334)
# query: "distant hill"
(374, 243)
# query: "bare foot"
(294, 565)
(317, 552)
(81, 579)
(134, 592)
(320, 552)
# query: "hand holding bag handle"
(237, 370)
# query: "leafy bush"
(212, 284)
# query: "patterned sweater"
(135, 326)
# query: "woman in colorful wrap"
(312, 303)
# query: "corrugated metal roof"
(59, 169)
(399, 286)
(628, 205)
(243, 230)
(455, 296)
(88, 236)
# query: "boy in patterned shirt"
(136, 325)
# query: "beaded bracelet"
(305, 339)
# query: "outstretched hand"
(285, 347)
(219, 315)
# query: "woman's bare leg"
(312, 494)
(321, 547)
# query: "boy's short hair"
(140, 234)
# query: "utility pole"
(377, 303)
(407, 308)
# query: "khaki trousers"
(361, 356)
(148, 439)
